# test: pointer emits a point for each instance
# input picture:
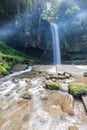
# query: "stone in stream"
(53, 76)
(54, 80)
(67, 75)
(73, 128)
(85, 74)
(15, 80)
(27, 95)
(62, 77)
(52, 86)
(44, 97)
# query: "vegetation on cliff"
(10, 57)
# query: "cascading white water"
(56, 44)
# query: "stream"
(45, 110)
(15, 74)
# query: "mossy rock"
(52, 86)
(27, 95)
(77, 89)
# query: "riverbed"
(45, 109)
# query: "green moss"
(77, 89)
(5, 49)
(52, 86)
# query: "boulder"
(77, 89)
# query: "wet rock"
(44, 97)
(26, 118)
(27, 95)
(67, 104)
(62, 77)
(27, 87)
(52, 86)
(77, 89)
(53, 76)
(67, 75)
(15, 80)
(47, 77)
(7, 94)
(28, 81)
(73, 128)
(44, 74)
(65, 101)
(54, 80)
(85, 74)
(60, 73)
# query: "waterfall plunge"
(56, 44)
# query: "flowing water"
(56, 44)
(15, 74)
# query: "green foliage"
(9, 58)
(3, 71)
(5, 49)
(77, 89)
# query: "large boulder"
(77, 89)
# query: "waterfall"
(56, 44)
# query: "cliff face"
(23, 27)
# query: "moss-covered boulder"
(52, 86)
(77, 89)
